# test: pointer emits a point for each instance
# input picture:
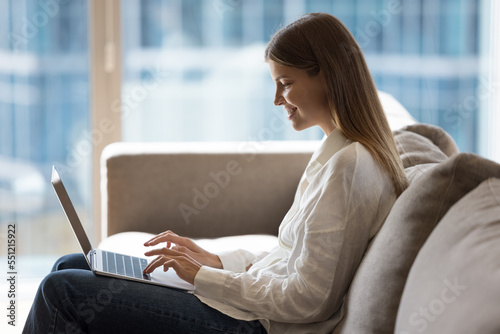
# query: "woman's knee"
(54, 285)
(55, 307)
(72, 285)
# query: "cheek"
(294, 97)
(320, 98)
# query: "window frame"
(105, 90)
(488, 91)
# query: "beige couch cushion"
(132, 243)
(422, 146)
(454, 284)
(374, 295)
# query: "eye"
(285, 84)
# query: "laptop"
(112, 264)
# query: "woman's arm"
(186, 257)
(239, 260)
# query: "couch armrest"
(200, 190)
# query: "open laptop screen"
(70, 212)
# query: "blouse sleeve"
(344, 204)
(238, 260)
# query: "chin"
(300, 127)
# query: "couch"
(434, 266)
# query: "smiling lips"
(291, 112)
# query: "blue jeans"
(71, 299)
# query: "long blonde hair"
(320, 42)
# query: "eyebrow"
(278, 78)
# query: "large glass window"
(194, 70)
(200, 64)
(44, 121)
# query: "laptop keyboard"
(125, 265)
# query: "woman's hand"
(181, 254)
(185, 266)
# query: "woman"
(343, 198)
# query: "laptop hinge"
(92, 259)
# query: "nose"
(278, 98)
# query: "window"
(44, 120)
(208, 81)
(194, 71)
(487, 93)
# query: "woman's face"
(304, 97)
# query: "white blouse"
(341, 202)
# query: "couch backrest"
(200, 189)
(375, 292)
(454, 284)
